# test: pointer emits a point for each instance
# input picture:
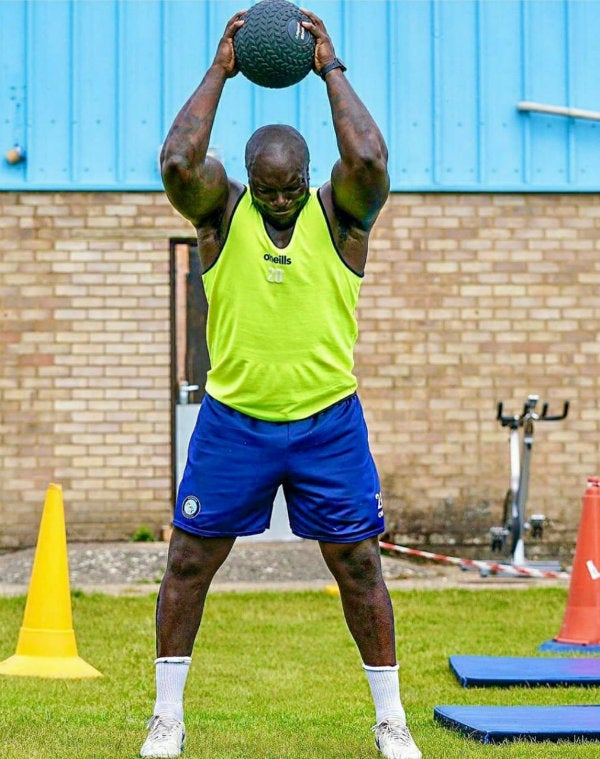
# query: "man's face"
(279, 189)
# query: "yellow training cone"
(46, 645)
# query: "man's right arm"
(195, 183)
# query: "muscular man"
(282, 266)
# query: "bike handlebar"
(528, 413)
(557, 417)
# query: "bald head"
(277, 164)
(277, 142)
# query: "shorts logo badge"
(190, 507)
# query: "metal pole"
(558, 110)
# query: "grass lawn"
(279, 677)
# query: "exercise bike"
(509, 536)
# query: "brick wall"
(468, 300)
(85, 377)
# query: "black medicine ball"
(272, 48)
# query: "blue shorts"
(236, 464)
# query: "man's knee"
(191, 556)
(359, 563)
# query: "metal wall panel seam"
(162, 90)
(389, 125)
(27, 104)
(525, 78)
(480, 129)
(393, 99)
(119, 89)
(570, 152)
(74, 154)
(435, 92)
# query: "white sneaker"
(165, 738)
(394, 740)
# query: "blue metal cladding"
(89, 88)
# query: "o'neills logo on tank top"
(281, 260)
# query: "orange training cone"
(581, 624)
(46, 645)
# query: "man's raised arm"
(195, 183)
(359, 179)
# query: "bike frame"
(514, 517)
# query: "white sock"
(385, 689)
(171, 674)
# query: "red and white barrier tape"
(489, 566)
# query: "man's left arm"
(359, 179)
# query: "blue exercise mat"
(495, 724)
(504, 671)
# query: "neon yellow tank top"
(281, 326)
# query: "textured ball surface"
(272, 49)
